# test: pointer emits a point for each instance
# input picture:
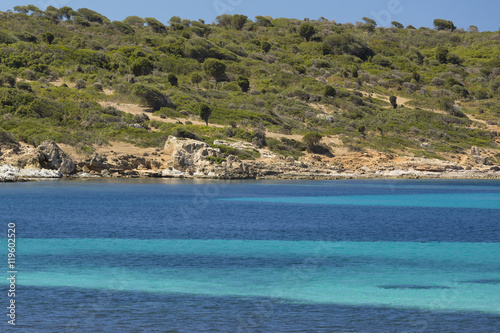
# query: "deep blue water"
(255, 256)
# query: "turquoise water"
(462, 277)
(348, 256)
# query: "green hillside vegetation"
(279, 75)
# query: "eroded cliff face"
(187, 158)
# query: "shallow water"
(282, 256)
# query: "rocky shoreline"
(192, 159)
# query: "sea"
(251, 256)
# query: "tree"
(473, 28)
(312, 139)
(238, 21)
(142, 66)
(440, 24)
(134, 21)
(370, 21)
(398, 25)
(48, 37)
(205, 112)
(362, 129)
(215, 68)
(7, 79)
(330, 91)
(394, 101)
(224, 20)
(263, 21)
(266, 47)
(244, 83)
(151, 96)
(196, 78)
(21, 9)
(156, 25)
(306, 30)
(175, 20)
(65, 12)
(442, 54)
(92, 16)
(173, 79)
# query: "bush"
(306, 30)
(215, 68)
(7, 79)
(6, 38)
(151, 97)
(7, 139)
(141, 67)
(156, 25)
(244, 83)
(382, 61)
(238, 21)
(172, 79)
(26, 86)
(196, 78)
(48, 37)
(122, 27)
(330, 92)
(266, 47)
(346, 44)
(312, 139)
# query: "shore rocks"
(53, 158)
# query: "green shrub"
(152, 97)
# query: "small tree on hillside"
(330, 91)
(306, 30)
(215, 68)
(312, 139)
(7, 79)
(266, 47)
(442, 54)
(205, 112)
(244, 83)
(398, 25)
(238, 21)
(156, 25)
(440, 24)
(92, 16)
(196, 78)
(370, 21)
(142, 66)
(48, 37)
(172, 79)
(362, 130)
(394, 101)
(151, 96)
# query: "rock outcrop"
(190, 157)
(53, 158)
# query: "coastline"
(40, 175)
(192, 159)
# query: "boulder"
(53, 158)
(193, 158)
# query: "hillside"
(376, 96)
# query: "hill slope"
(78, 79)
